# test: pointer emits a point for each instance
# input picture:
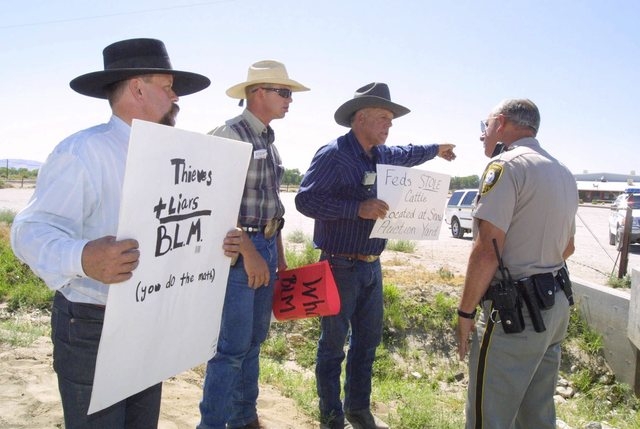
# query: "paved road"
(594, 259)
(14, 198)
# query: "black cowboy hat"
(135, 57)
(372, 95)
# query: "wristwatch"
(466, 315)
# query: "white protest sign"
(416, 200)
(181, 196)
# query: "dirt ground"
(29, 396)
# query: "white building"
(604, 187)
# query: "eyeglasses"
(282, 92)
(484, 125)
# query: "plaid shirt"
(261, 198)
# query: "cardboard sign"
(416, 200)
(307, 291)
(181, 196)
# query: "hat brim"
(238, 91)
(94, 84)
(348, 109)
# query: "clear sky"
(449, 62)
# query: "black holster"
(565, 283)
(528, 290)
(538, 292)
(506, 301)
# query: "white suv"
(459, 211)
(630, 198)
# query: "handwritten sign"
(181, 196)
(416, 200)
(307, 291)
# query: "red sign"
(307, 291)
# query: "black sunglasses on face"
(282, 92)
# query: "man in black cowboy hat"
(67, 231)
(339, 192)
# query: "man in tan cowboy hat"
(231, 383)
(67, 232)
(339, 192)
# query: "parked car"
(617, 216)
(459, 211)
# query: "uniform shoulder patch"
(491, 176)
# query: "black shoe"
(363, 419)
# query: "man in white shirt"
(66, 234)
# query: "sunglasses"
(282, 92)
(483, 126)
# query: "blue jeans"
(75, 331)
(360, 288)
(230, 391)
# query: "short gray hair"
(522, 112)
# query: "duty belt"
(494, 284)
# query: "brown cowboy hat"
(135, 57)
(372, 95)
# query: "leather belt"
(269, 229)
(357, 256)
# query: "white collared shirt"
(77, 199)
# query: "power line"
(111, 15)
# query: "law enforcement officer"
(526, 213)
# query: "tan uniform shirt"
(533, 198)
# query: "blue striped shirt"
(332, 190)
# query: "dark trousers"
(360, 320)
(75, 332)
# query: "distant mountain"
(21, 163)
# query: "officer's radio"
(506, 300)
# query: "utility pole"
(624, 251)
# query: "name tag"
(260, 154)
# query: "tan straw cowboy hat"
(135, 57)
(268, 71)
(372, 95)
